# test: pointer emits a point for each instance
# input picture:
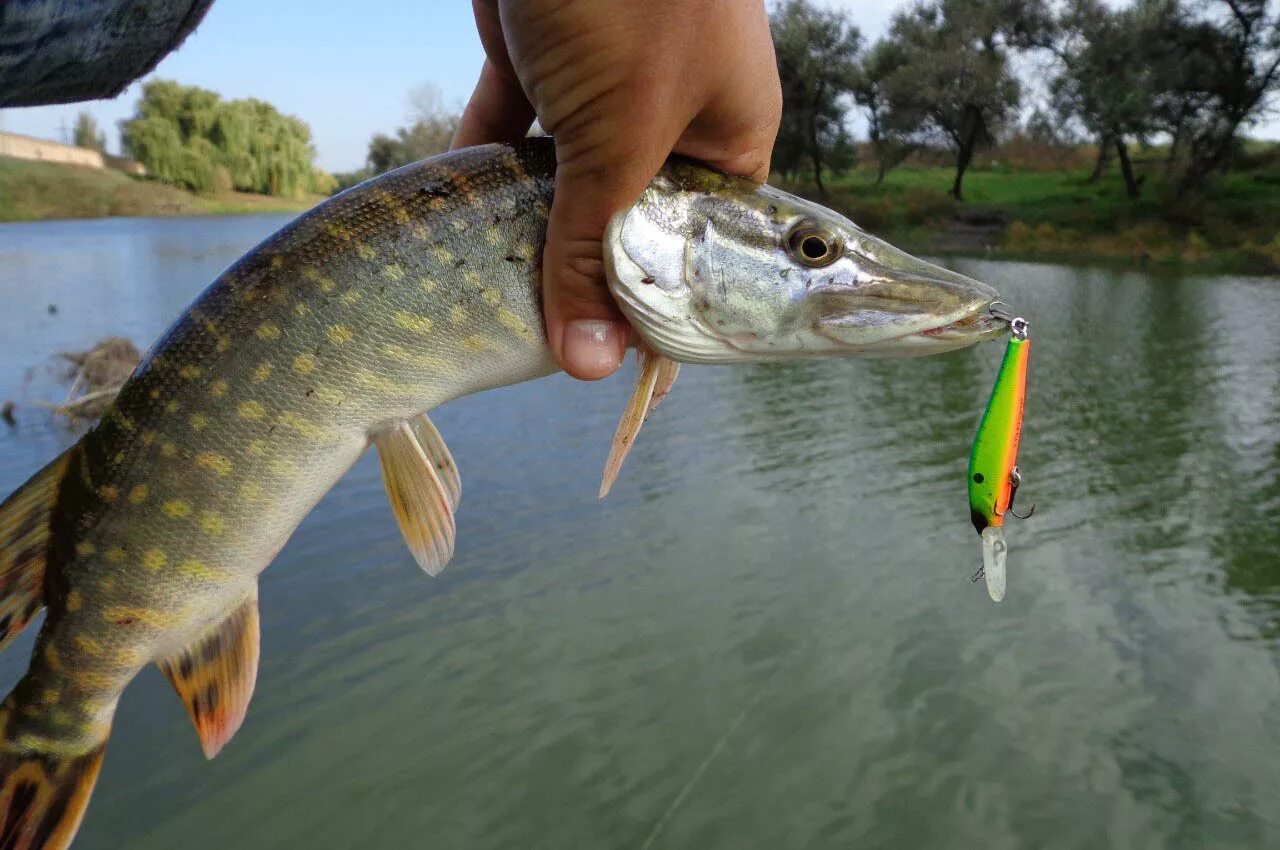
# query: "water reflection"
(766, 637)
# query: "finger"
(598, 174)
(498, 111)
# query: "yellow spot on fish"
(154, 559)
(302, 308)
(340, 334)
(155, 393)
(85, 548)
(262, 373)
(125, 616)
(365, 252)
(301, 425)
(492, 297)
(283, 468)
(139, 494)
(304, 364)
(413, 322)
(49, 696)
(125, 423)
(224, 343)
(195, 568)
(148, 437)
(168, 449)
(51, 658)
(328, 395)
(395, 271)
(73, 601)
(351, 296)
(494, 236)
(218, 389)
(88, 645)
(108, 582)
(115, 555)
(421, 232)
(473, 280)
(177, 508)
(514, 323)
(268, 331)
(199, 421)
(337, 231)
(212, 522)
(428, 285)
(215, 462)
(172, 406)
(108, 492)
(189, 372)
(475, 342)
(257, 448)
(459, 225)
(117, 458)
(457, 314)
(313, 275)
(251, 410)
(277, 261)
(251, 491)
(443, 256)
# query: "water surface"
(766, 636)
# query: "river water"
(766, 636)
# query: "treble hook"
(1015, 480)
(999, 312)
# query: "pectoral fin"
(653, 382)
(438, 453)
(421, 501)
(215, 676)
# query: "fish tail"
(24, 546)
(43, 794)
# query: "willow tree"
(189, 135)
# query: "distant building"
(43, 150)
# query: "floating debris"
(96, 377)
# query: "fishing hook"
(1015, 480)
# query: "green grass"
(1058, 215)
(31, 191)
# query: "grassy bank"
(32, 191)
(1058, 215)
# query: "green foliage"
(87, 134)
(189, 136)
(817, 51)
(428, 133)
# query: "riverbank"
(1058, 216)
(36, 191)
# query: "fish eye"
(813, 246)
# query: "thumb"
(585, 329)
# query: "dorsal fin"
(24, 543)
(654, 380)
(438, 453)
(421, 502)
(214, 677)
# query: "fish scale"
(145, 539)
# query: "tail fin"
(24, 542)
(43, 797)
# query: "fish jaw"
(714, 269)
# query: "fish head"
(711, 268)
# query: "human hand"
(620, 85)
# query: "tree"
(816, 51)
(87, 134)
(1108, 78)
(190, 136)
(1218, 65)
(888, 132)
(954, 81)
(429, 132)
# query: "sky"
(347, 71)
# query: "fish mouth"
(980, 326)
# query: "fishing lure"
(993, 463)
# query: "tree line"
(1195, 74)
(190, 136)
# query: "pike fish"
(143, 541)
